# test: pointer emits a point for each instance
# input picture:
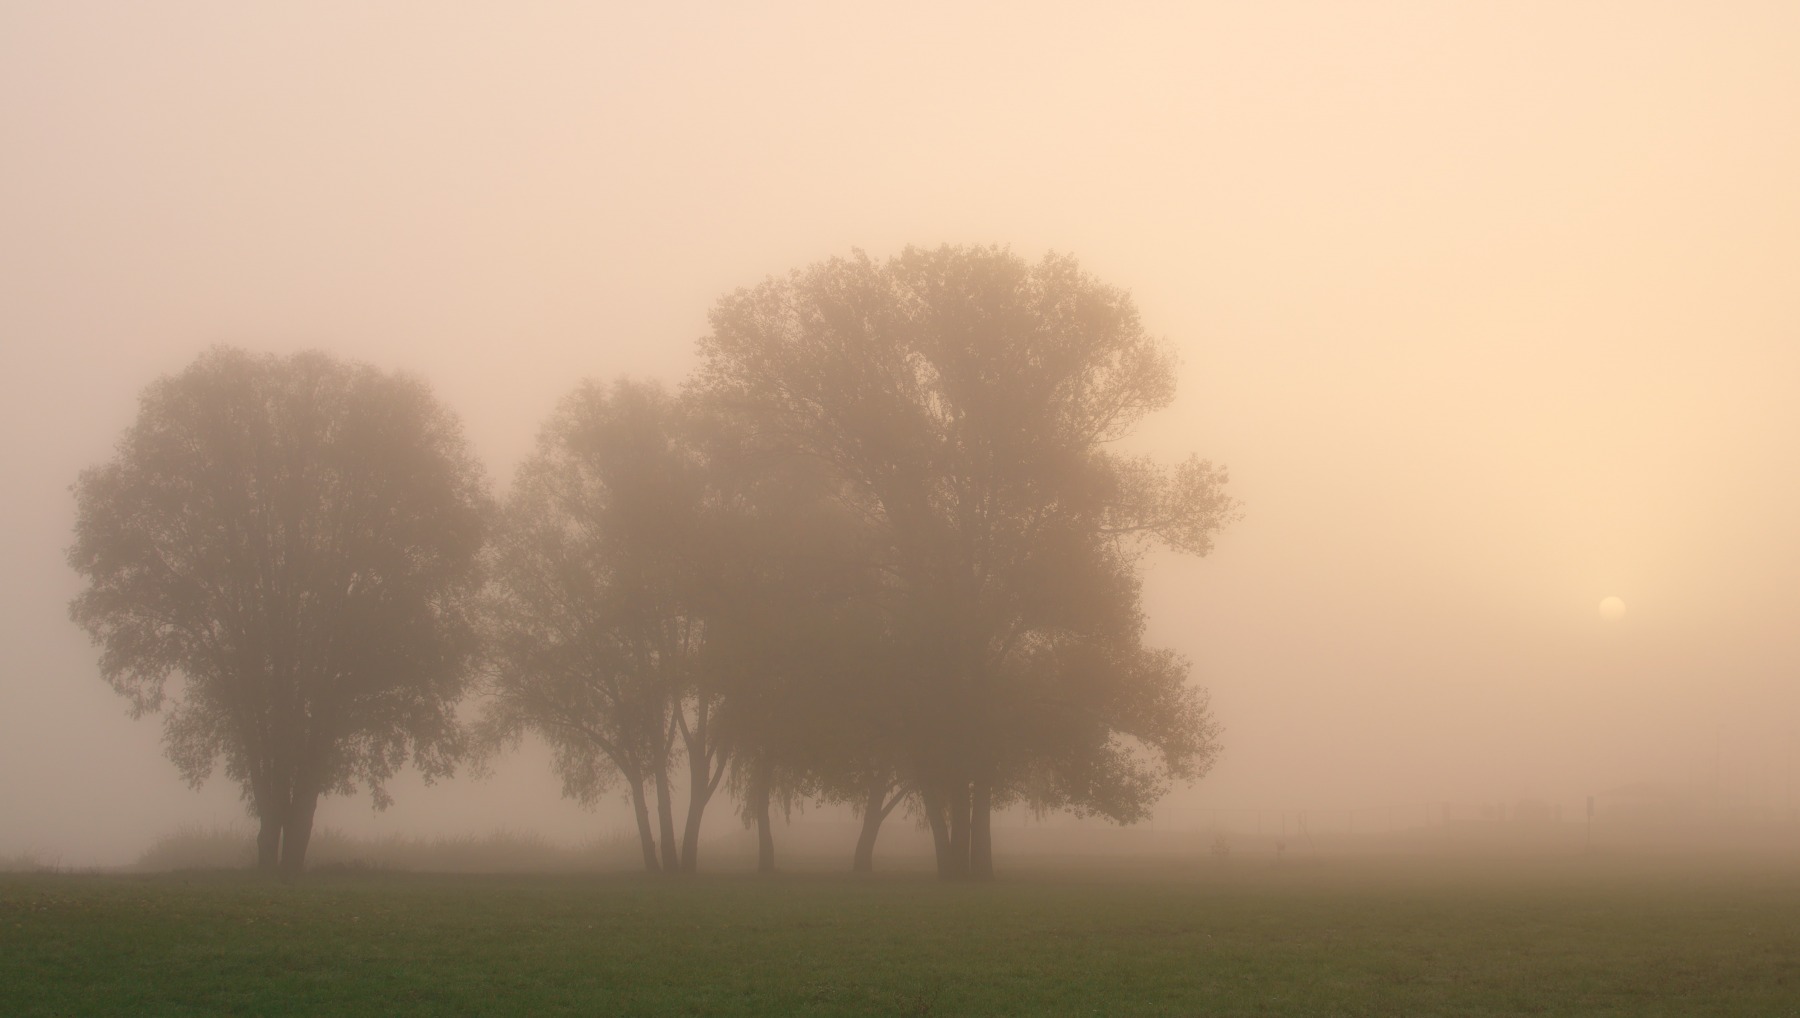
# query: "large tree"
(295, 542)
(968, 402)
(598, 630)
(794, 627)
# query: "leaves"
(283, 553)
(964, 401)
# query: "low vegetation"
(26, 862)
(218, 848)
(1570, 937)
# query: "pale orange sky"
(1491, 309)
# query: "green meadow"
(1349, 937)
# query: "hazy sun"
(1612, 609)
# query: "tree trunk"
(270, 810)
(646, 838)
(940, 826)
(759, 805)
(296, 833)
(981, 831)
(875, 808)
(268, 841)
(959, 830)
(698, 793)
(665, 815)
(703, 757)
(953, 829)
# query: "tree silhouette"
(295, 541)
(966, 401)
(794, 631)
(597, 633)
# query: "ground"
(1584, 936)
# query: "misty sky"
(1493, 310)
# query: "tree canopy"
(884, 549)
(967, 400)
(598, 629)
(282, 556)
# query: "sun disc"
(1612, 609)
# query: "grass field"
(1575, 937)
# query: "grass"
(26, 862)
(1577, 937)
(196, 848)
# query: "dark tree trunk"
(268, 841)
(947, 809)
(296, 833)
(665, 815)
(759, 805)
(875, 810)
(935, 819)
(765, 842)
(706, 766)
(959, 830)
(698, 793)
(646, 838)
(981, 832)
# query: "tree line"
(879, 550)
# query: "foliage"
(964, 400)
(880, 552)
(294, 541)
(795, 632)
(595, 634)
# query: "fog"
(1489, 311)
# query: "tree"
(793, 629)
(966, 400)
(767, 604)
(597, 633)
(296, 542)
(798, 632)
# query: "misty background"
(1490, 310)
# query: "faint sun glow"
(1612, 609)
